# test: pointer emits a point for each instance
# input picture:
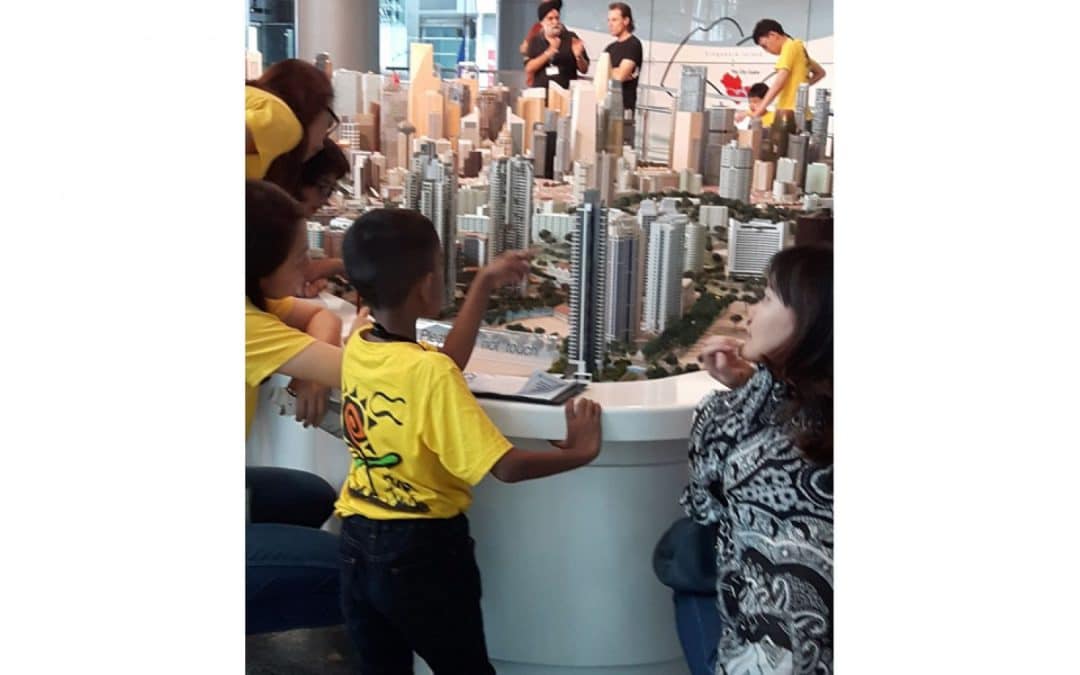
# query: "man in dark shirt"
(556, 54)
(626, 58)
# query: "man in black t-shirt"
(626, 58)
(556, 54)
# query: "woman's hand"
(721, 359)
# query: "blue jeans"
(698, 623)
(292, 578)
(289, 496)
(413, 586)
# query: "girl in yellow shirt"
(282, 334)
(287, 114)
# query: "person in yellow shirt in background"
(318, 179)
(287, 116)
(419, 441)
(793, 66)
(292, 577)
(288, 121)
(754, 98)
(283, 334)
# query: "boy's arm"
(778, 84)
(510, 267)
(581, 446)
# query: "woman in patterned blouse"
(761, 474)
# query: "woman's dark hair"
(308, 92)
(273, 223)
(802, 277)
(386, 252)
(330, 161)
(766, 26)
(624, 9)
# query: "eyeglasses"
(335, 122)
(326, 189)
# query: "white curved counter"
(566, 561)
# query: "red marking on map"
(733, 84)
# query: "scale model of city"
(636, 264)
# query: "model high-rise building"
(530, 108)
(519, 204)
(424, 88)
(606, 175)
(687, 141)
(764, 174)
(584, 179)
(431, 186)
(711, 215)
(624, 282)
(818, 147)
(736, 167)
(394, 111)
(475, 247)
(510, 203)
(474, 223)
(348, 93)
(692, 89)
(818, 179)
(539, 149)
(802, 106)
(558, 224)
(582, 120)
(609, 120)
(491, 110)
(798, 149)
(751, 245)
(694, 256)
(588, 287)
(562, 159)
(664, 270)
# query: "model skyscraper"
(510, 203)
(663, 275)
(432, 186)
(625, 280)
(586, 346)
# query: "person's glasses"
(334, 121)
(326, 189)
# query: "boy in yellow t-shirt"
(419, 441)
(793, 66)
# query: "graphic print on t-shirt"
(358, 416)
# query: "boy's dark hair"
(624, 9)
(386, 252)
(330, 161)
(758, 90)
(273, 221)
(766, 26)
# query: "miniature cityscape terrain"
(634, 264)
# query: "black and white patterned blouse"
(774, 512)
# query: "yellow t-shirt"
(269, 344)
(794, 59)
(417, 436)
(274, 128)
